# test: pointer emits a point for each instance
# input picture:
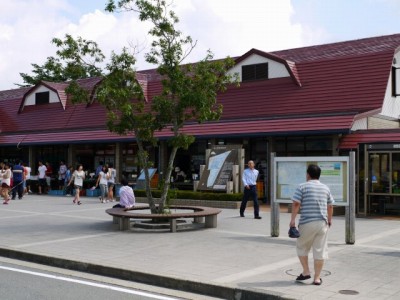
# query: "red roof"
(338, 82)
(332, 124)
(351, 141)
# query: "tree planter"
(195, 202)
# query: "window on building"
(395, 81)
(303, 146)
(255, 72)
(42, 98)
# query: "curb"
(202, 288)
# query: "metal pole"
(351, 208)
(274, 205)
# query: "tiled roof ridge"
(348, 48)
(342, 49)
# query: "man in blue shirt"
(249, 179)
(18, 180)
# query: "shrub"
(181, 194)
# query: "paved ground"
(239, 255)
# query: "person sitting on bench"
(126, 196)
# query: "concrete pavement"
(237, 260)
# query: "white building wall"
(30, 99)
(391, 105)
(275, 69)
(360, 124)
(377, 123)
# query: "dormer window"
(42, 98)
(395, 81)
(255, 72)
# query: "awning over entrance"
(321, 124)
(351, 141)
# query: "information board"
(219, 167)
(289, 172)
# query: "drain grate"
(348, 292)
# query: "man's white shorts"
(313, 234)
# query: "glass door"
(383, 184)
(379, 173)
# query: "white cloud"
(224, 26)
(234, 27)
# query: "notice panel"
(289, 172)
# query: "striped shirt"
(314, 198)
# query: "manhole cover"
(296, 273)
(348, 292)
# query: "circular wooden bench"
(198, 213)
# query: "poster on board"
(218, 170)
(291, 171)
(141, 181)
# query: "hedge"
(182, 194)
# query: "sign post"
(350, 216)
(274, 205)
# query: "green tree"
(76, 59)
(189, 91)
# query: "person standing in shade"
(111, 175)
(77, 177)
(314, 201)
(249, 179)
(27, 183)
(18, 180)
(68, 176)
(99, 169)
(102, 183)
(42, 177)
(61, 175)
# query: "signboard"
(373, 147)
(141, 181)
(218, 170)
(289, 172)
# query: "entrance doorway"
(382, 184)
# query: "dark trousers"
(118, 206)
(251, 192)
(18, 186)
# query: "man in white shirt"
(250, 189)
(42, 176)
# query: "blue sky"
(227, 27)
(349, 19)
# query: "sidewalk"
(236, 259)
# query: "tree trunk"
(144, 163)
(167, 179)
